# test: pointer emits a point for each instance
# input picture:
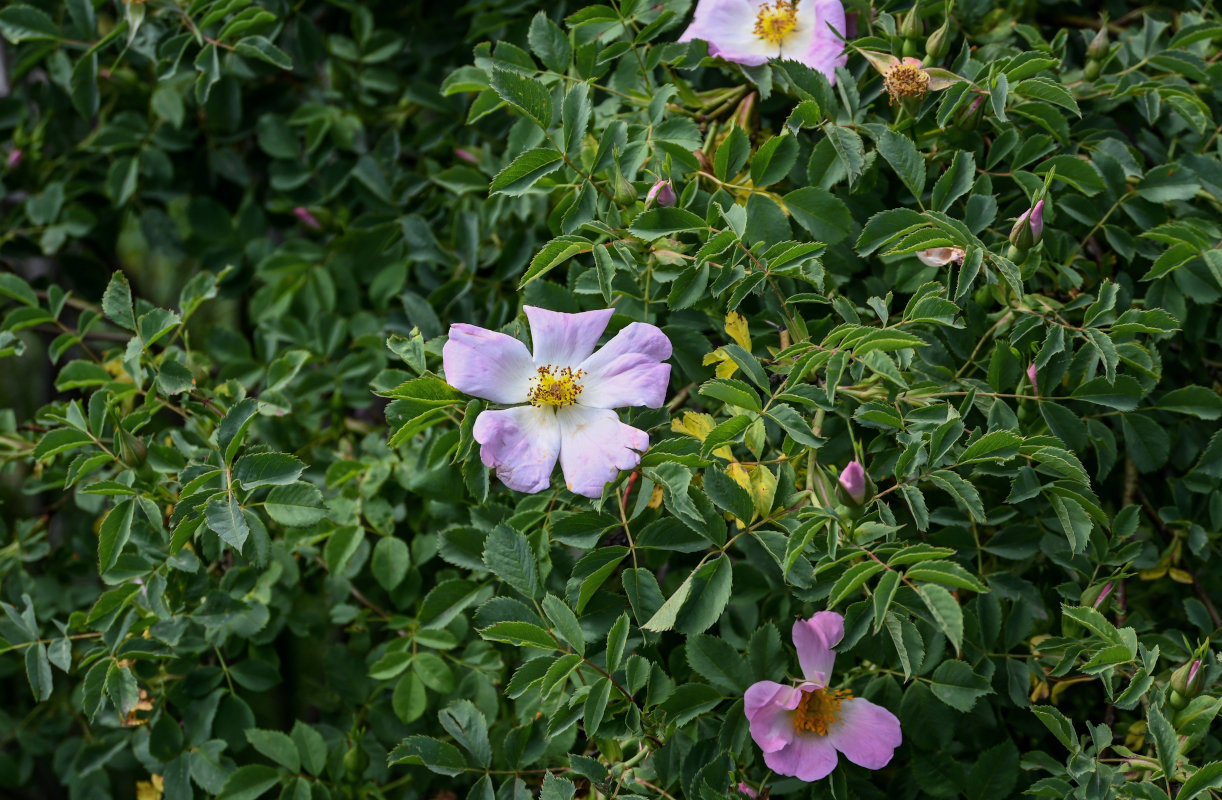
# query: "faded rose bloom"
(907, 79)
(941, 256)
(752, 32)
(562, 397)
(802, 728)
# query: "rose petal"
(819, 47)
(487, 364)
(729, 28)
(595, 446)
(866, 733)
(565, 340)
(627, 371)
(814, 639)
(769, 708)
(521, 444)
(807, 757)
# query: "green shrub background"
(248, 549)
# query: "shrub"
(249, 541)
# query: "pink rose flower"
(802, 728)
(751, 32)
(562, 396)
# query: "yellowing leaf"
(699, 425)
(736, 327)
(150, 789)
(738, 473)
(763, 489)
(725, 365)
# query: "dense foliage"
(248, 547)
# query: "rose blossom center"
(555, 386)
(818, 709)
(905, 80)
(774, 22)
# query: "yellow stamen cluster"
(555, 386)
(818, 709)
(905, 80)
(774, 22)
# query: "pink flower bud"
(302, 213)
(1035, 389)
(466, 155)
(14, 158)
(1107, 589)
(853, 481)
(743, 788)
(661, 193)
(1029, 228)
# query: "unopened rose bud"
(743, 788)
(744, 115)
(132, 451)
(1035, 389)
(14, 158)
(968, 116)
(465, 155)
(1029, 228)
(937, 46)
(1096, 595)
(1099, 46)
(1189, 679)
(623, 191)
(309, 220)
(661, 193)
(913, 27)
(853, 482)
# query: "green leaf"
(467, 725)
(727, 494)
(617, 640)
(821, 213)
(23, 23)
(117, 301)
(794, 424)
(565, 622)
(249, 782)
(596, 706)
(994, 446)
(945, 610)
(773, 161)
(852, 580)
(719, 663)
(902, 155)
(267, 469)
(440, 757)
(114, 533)
(277, 746)
(964, 494)
(390, 561)
(296, 505)
(521, 634)
(261, 48)
(1166, 741)
(527, 95)
(945, 573)
(1207, 777)
(553, 254)
(232, 430)
(509, 556)
(1196, 401)
(550, 43)
(224, 516)
(38, 671)
(525, 171)
(1059, 724)
(665, 221)
(954, 683)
